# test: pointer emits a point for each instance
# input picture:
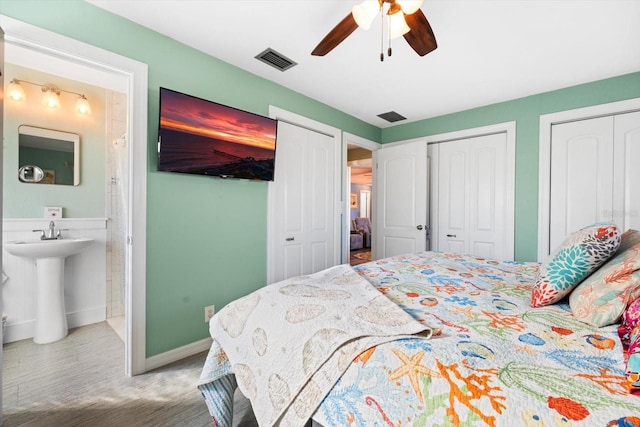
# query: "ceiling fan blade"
(336, 36)
(421, 37)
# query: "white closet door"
(473, 196)
(304, 199)
(453, 197)
(626, 189)
(401, 214)
(581, 176)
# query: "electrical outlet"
(209, 311)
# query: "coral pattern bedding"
(330, 317)
(493, 360)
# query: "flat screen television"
(202, 137)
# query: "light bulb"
(15, 91)
(83, 106)
(365, 12)
(397, 25)
(50, 97)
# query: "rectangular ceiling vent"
(392, 116)
(275, 59)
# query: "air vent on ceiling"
(392, 116)
(275, 59)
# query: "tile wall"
(115, 204)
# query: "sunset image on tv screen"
(204, 137)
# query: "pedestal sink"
(49, 255)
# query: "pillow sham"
(581, 253)
(629, 238)
(602, 298)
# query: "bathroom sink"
(46, 248)
(48, 256)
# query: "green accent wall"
(526, 113)
(206, 237)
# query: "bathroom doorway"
(126, 81)
(102, 191)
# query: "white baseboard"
(87, 316)
(19, 331)
(176, 354)
(24, 330)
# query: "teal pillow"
(581, 253)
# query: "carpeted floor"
(360, 256)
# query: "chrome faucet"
(50, 234)
(52, 231)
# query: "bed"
(483, 357)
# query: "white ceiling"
(488, 50)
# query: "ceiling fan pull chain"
(381, 35)
(389, 37)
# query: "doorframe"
(136, 73)
(544, 157)
(340, 202)
(2, 73)
(351, 139)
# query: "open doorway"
(130, 78)
(359, 164)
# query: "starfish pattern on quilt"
(411, 367)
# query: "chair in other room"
(363, 225)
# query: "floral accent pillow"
(581, 253)
(630, 318)
(602, 298)
(633, 363)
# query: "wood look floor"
(80, 381)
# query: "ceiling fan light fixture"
(365, 12)
(397, 25)
(410, 7)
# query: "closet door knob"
(419, 227)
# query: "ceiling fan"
(404, 18)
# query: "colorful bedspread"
(288, 343)
(497, 361)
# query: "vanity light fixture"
(50, 95)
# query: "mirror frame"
(55, 134)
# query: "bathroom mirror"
(55, 152)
